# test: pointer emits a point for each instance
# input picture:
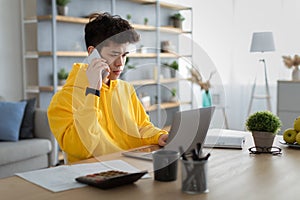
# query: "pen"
(199, 150)
(182, 153)
(205, 157)
(194, 155)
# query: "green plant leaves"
(264, 121)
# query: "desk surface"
(232, 174)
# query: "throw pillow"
(27, 126)
(11, 116)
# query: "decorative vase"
(263, 139)
(206, 99)
(296, 74)
(62, 10)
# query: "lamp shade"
(262, 41)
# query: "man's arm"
(150, 134)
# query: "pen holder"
(194, 176)
(165, 165)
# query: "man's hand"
(162, 140)
(94, 72)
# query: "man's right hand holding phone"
(97, 71)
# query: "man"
(94, 115)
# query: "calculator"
(110, 179)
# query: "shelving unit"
(52, 52)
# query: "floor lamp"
(262, 42)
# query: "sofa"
(38, 152)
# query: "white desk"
(232, 175)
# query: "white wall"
(10, 51)
(224, 29)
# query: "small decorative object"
(62, 8)
(206, 99)
(62, 75)
(143, 49)
(264, 125)
(173, 97)
(167, 47)
(293, 62)
(197, 78)
(146, 21)
(177, 20)
(146, 101)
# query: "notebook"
(188, 128)
(218, 138)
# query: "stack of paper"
(62, 178)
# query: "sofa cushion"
(11, 116)
(23, 149)
(27, 126)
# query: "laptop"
(225, 139)
(188, 128)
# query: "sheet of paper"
(57, 179)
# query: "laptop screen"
(189, 128)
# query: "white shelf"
(163, 105)
(35, 54)
(37, 89)
(153, 55)
(151, 81)
(163, 4)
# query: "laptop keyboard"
(148, 155)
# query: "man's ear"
(90, 49)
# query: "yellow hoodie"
(87, 126)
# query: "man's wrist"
(92, 91)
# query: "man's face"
(115, 55)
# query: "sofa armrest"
(42, 130)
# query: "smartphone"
(95, 54)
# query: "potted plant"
(62, 8)
(146, 21)
(173, 93)
(174, 67)
(62, 75)
(177, 20)
(264, 125)
(128, 17)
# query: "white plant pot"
(62, 10)
(263, 139)
(61, 82)
(173, 99)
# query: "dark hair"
(103, 27)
